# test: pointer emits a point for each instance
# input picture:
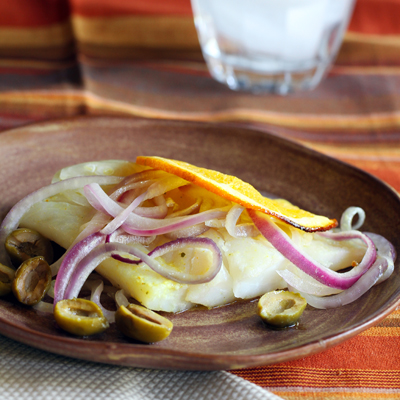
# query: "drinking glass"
(270, 45)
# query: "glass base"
(282, 82)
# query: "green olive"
(80, 317)
(281, 308)
(24, 243)
(6, 278)
(139, 323)
(32, 281)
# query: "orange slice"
(237, 191)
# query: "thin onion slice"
(95, 296)
(11, 221)
(180, 244)
(215, 223)
(369, 279)
(138, 180)
(93, 226)
(127, 194)
(306, 284)
(71, 260)
(346, 221)
(153, 191)
(386, 250)
(50, 292)
(104, 251)
(190, 231)
(244, 230)
(121, 299)
(123, 215)
(44, 307)
(281, 241)
(119, 236)
(141, 226)
(188, 210)
(159, 211)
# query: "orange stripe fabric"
(35, 30)
(136, 31)
(343, 393)
(379, 17)
(107, 8)
(33, 13)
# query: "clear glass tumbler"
(270, 45)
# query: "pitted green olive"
(80, 317)
(6, 277)
(24, 243)
(281, 308)
(32, 281)
(139, 323)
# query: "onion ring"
(281, 241)
(106, 250)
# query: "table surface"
(142, 59)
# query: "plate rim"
(203, 361)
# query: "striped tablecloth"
(142, 58)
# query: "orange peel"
(240, 192)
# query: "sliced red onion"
(232, 218)
(100, 219)
(190, 231)
(93, 281)
(164, 185)
(176, 245)
(95, 296)
(281, 241)
(119, 236)
(44, 307)
(347, 219)
(306, 284)
(71, 260)
(244, 230)
(159, 211)
(121, 299)
(371, 251)
(55, 267)
(104, 251)
(155, 187)
(205, 243)
(50, 292)
(93, 226)
(112, 236)
(386, 250)
(141, 226)
(98, 222)
(186, 211)
(123, 215)
(127, 239)
(11, 221)
(215, 223)
(92, 194)
(143, 178)
(356, 291)
(170, 224)
(128, 193)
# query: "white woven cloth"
(27, 373)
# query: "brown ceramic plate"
(228, 337)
